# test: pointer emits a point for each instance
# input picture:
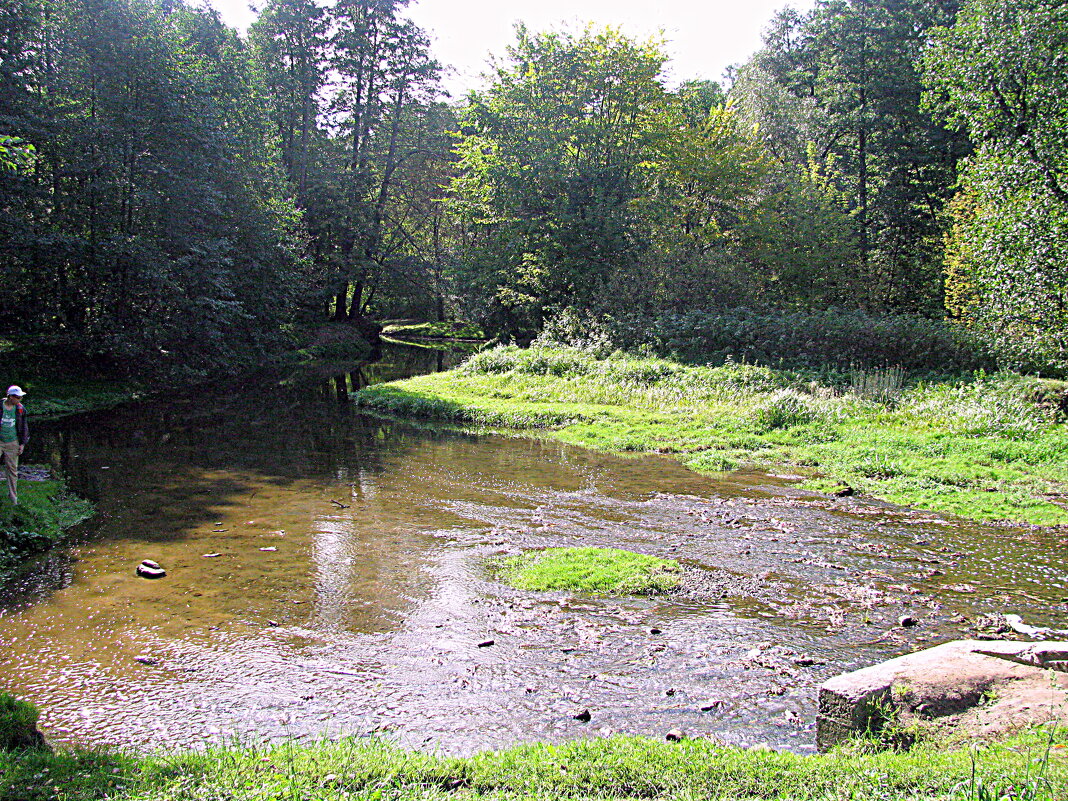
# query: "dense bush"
(830, 337)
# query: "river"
(324, 579)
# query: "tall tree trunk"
(339, 303)
(356, 307)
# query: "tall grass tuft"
(784, 408)
(878, 384)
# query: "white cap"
(14, 390)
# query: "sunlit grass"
(977, 446)
(445, 329)
(609, 769)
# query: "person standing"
(14, 434)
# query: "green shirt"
(7, 425)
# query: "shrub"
(18, 724)
(838, 337)
(984, 408)
(784, 408)
(881, 384)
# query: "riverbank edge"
(544, 406)
(46, 512)
(607, 768)
(54, 397)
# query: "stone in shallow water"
(150, 570)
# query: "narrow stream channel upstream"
(324, 579)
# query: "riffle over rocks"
(982, 688)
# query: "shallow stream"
(324, 578)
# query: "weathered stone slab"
(946, 680)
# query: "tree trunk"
(339, 303)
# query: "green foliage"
(882, 384)
(18, 723)
(998, 73)
(154, 231)
(988, 447)
(16, 155)
(600, 571)
(839, 88)
(838, 337)
(551, 159)
(784, 408)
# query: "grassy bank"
(1033, 767)
(45, 511)
(445, 329)
(56, 398)
(980, 446)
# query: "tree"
(384, 72)
(154, 227)
(551, 162)
(354, 95)
(290, 41)
(853, 66)
(998, 74)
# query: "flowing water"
(324, 578)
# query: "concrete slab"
(989, 686)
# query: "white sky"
(703, 37)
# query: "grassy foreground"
(1029, 768)
(597, 571)
(987, 447)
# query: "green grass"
(981, 446)
(44, 513)
(599, 571)
(609, 769)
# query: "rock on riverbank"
(981, 688)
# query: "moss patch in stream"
(1028, 767)
(598, 571)
(977, 446)
(45, 511)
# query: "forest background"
(884, 182)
